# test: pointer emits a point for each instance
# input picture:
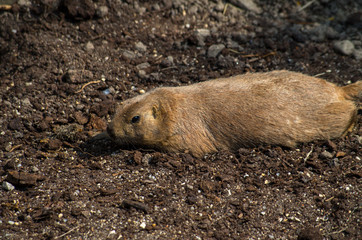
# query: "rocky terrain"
(65, 64)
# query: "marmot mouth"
(111, 132)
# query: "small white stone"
(89, 47)
(8, 186)
(143, 225)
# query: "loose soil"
(64, 65)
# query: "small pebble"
(219, 6)
(106, 91)
(326, 154)
(203, 32)
(247, 4)
(140, 47)
(357, 54)
(141, 10)
(156, 7)
(8, 186)
(34, 169)
(167, 62)
(192, 10)
(345, 47)
(142, 66)
(26, 102)
(102, 11)
(142, 74)
(128, 54)
(215, 49)
(143, 225)
(89, 47)
(24, 3)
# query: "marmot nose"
(110, 131)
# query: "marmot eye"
(135, 119)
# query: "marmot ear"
(156, 112)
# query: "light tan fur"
(277, 108)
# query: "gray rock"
(345, 47)
(215, 49)
(219, 6)
(26, 102)
(203, 32)
(357, 43)
(321, 31)
(24, 3)
(247, 4)
(141, 47)
(239, 37)
(167, 3)
(200, 35)
(177, 3)
(142, 74)
(331, 33)
(8, 186)
(155, 76)
(232, 44)
(334, 162)
(156, 7)
(167, 62)
(357, 54)
(129, 54)
(141, 10)
(326, 155)
(18, 134)
(359, 138)
(146, 159)
(296, 34)
(102, 11)
(193, 10)
(34, 169)
(142, 66)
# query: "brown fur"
(278, 108)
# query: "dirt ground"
(64, 64)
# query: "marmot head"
(141, 121)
